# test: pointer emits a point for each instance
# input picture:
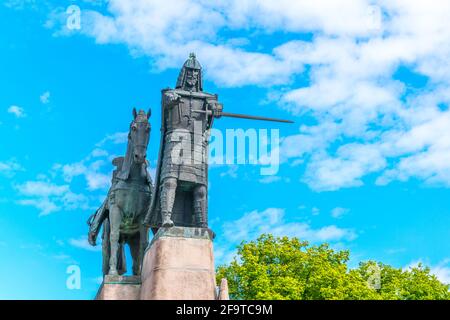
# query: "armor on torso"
(186, 129)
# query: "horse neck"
(129, 161)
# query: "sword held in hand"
(241, 116)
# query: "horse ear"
(134, 113)
(149, 113)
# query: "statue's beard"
(191, 82)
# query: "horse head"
(139, 135)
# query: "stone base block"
(119, 288)
(179, 265)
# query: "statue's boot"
(167, 222)
(113, 273)
(167, 201)
(200, 206)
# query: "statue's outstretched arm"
(171, 99)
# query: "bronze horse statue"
(128, 200)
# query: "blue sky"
(365, 167)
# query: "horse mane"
(124, 170)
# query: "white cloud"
(270, 179)
(72, 201)
(19, 4)
(252, 224)
(367, 120)
(95, 179)
(441, 270)
(64, 258)
(41, 189)
(43, 204)
(354, 89)
(352, 161)
(58, 194)
(17, 111)
(339, 212)
(315, 211)
(395, 250)
(116, 138)
(230, 172)
(82, 243)
(10, 168)
(49, 197)
(271, 220)
(97, 153)
(45, 97)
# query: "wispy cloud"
(10, 167)
(370, 121)
(65, 258)
(395, 250)
(272, 220)
(19, 4)
(49, 197)
(44, 205)
(230, 172)
(41, 189)
(315, 211)
(440, 270)
(95, 179)
(17, 111)
(338, 212)
(45, 97)
(116, 138)
(57, 194)
(82, 243)
(270, 179)
(99, 153)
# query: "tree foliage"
(287, 268)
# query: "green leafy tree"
(287, 268)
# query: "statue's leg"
(115, 218)
(169, 187)
(200, 206)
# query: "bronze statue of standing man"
(182, 172)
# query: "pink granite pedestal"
(119, 288)
(179, 265)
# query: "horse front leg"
(138, 244)
(133, 242)
(143, 242)
(115, 219)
